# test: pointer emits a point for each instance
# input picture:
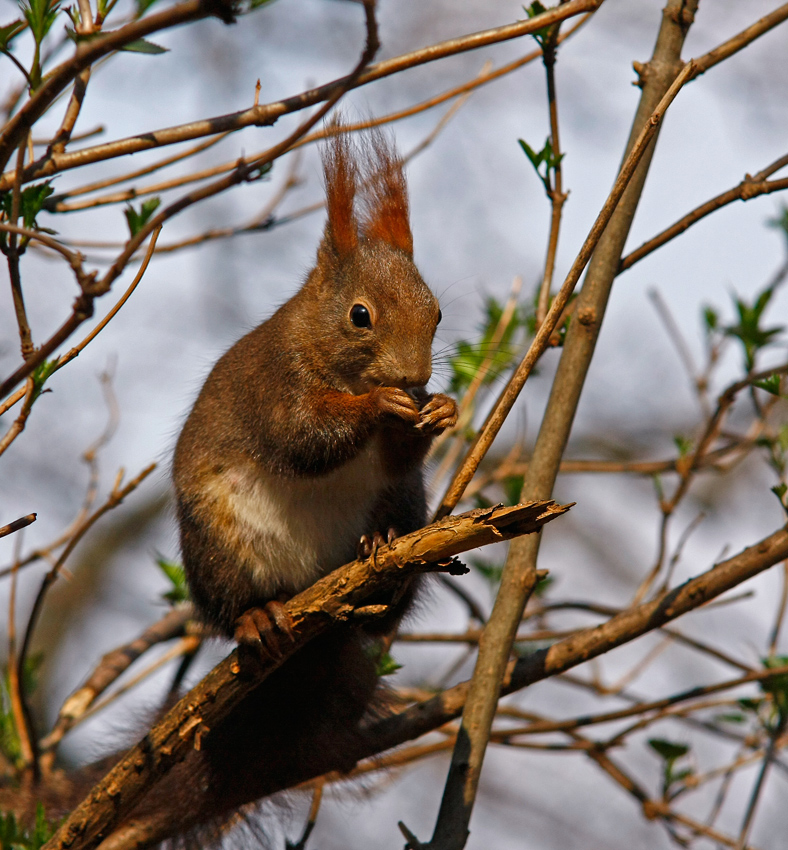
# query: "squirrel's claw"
(265, 629)
(438, 414)
(368, 546)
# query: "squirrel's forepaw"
(393, 401)
(266, 629)
(438, 414)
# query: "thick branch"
(333, 598)
(519, 576)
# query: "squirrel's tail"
(304, 720)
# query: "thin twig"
(19, 423)
(20, 710)
(268, 114)
(117, 495)
(12, 252)
(17, 524)
(554, 188)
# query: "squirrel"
(311, 431)
(304, 449)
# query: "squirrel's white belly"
(294, 530)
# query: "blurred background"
(480, 217)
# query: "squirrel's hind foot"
(265, 629)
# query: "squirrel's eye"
(440, 316)
(360, 317)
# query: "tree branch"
(519, 576)
(330, 600)
(88, 52)
(267, 114)
(590, 643)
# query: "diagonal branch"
(663, 81)
(751, 187)
(332, 599)
(267, 114)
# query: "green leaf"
(730, 718)
(387, 665)
(512, 488)
(31, 202)
(710, 319)
(142, 45)
(469, 357)
(536, 159)
(751, 705)
(668, 750)
(536, 8)
(179, 592)
(782, 437)
(770, 384)
(777, 686)
(14, 837)
(40, 15)
(138, 220)
(780, 490)
(748, 329)
(683, 445)
(545, 157)
(9, 32)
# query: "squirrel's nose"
(417, 377)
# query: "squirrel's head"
(377, 317)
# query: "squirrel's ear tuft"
(385, 196)
(341, 174)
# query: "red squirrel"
(307, 440)
(310, 432)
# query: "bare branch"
(589, 643)
(111, 666)
(331, 599)
(17, 524)
(88, 52)
(519, 575)
(268, 114)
